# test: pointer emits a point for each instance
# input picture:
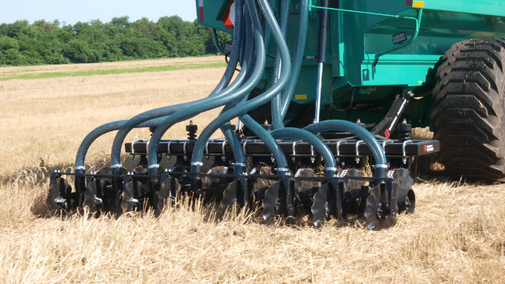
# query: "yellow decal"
(300, 97)
(420, 82)
(418, 4)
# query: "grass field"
(457, 234)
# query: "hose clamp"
(244, 148)
(312, 155)
(197, 164)
(133, 146)
(184, 150)
(404, 159)
(116, 166)
(169, 155)
(338, 146)
(224, 150)
(334, 169)
(155, 166)
(240, 164)
(384, 144)
(380, 166)
(80, 168)
(294, 151)
(285, 170)
(207, 149)
(357, 149)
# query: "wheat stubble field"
(457, 234)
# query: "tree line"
(44, 42)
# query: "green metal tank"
(377, 49)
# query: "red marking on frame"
(409, 3)
(425, 148)
(228, 24)
(387, 134)
(200, 11)
(201, 14)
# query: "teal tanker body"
(375, 48)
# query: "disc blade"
(167, 192)
(57, 198)
(92, 195)
(379, 198)
(270, 200)
(371, 208)
(230, 195)
(319, 206)
(131, 196)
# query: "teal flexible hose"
(216, 43)
(101, 130)
(312, 139)
(276, 101)
(207, 104)
(362, 133)
(299, 53)
(251, 104)
(164, 111)
(246, 69)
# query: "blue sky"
(72, 12)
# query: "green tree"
(79, 52)
(9, 48)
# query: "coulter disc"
(93, 196)
(379, 213)
(270, 202)
(167, 193)
(131, 196)
(58, 196)
(406, 196)
(319, 207)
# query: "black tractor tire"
(468, 115)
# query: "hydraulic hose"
(247, 58)
(362, 133)
(312, 139)
(164, 111)
(235, 50)
(268, 32)
(101, 130)
(216, 43)
(155, 113)
(254, 103)
(209, 103)
(301, 39)
(276, 101)
(258, 130)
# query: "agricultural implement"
(326, 98)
